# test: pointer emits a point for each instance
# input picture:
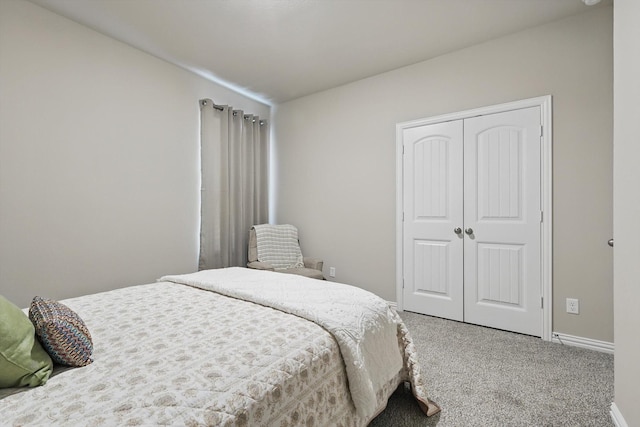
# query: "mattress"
(173, 354)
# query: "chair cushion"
(23, 361)
(278, 245)
(302, 271)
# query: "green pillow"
(23, 361)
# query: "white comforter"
(364, 326)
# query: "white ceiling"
(278, 50)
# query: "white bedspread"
(367, 334)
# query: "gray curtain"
(234, 150)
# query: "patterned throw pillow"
(62, 332)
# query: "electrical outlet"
(332, 272)
(573, 306)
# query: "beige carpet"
(485, 377)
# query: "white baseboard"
(591, 344)
(617, 417)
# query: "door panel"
(500, 274)
(432, 183)
(499, 168)
(431, 268)
(502, 287)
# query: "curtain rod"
(204, 102)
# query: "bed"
(228, 347)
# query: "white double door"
(472, 220)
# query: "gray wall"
(99, 159)
(627, 209)
(335, 172)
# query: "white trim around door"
(546, 274)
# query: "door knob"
(469, 231)
(610, 242)
(457, 230)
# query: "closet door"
(432, 206)
(502, 220)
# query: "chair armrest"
(260, 265)
(315, 263)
